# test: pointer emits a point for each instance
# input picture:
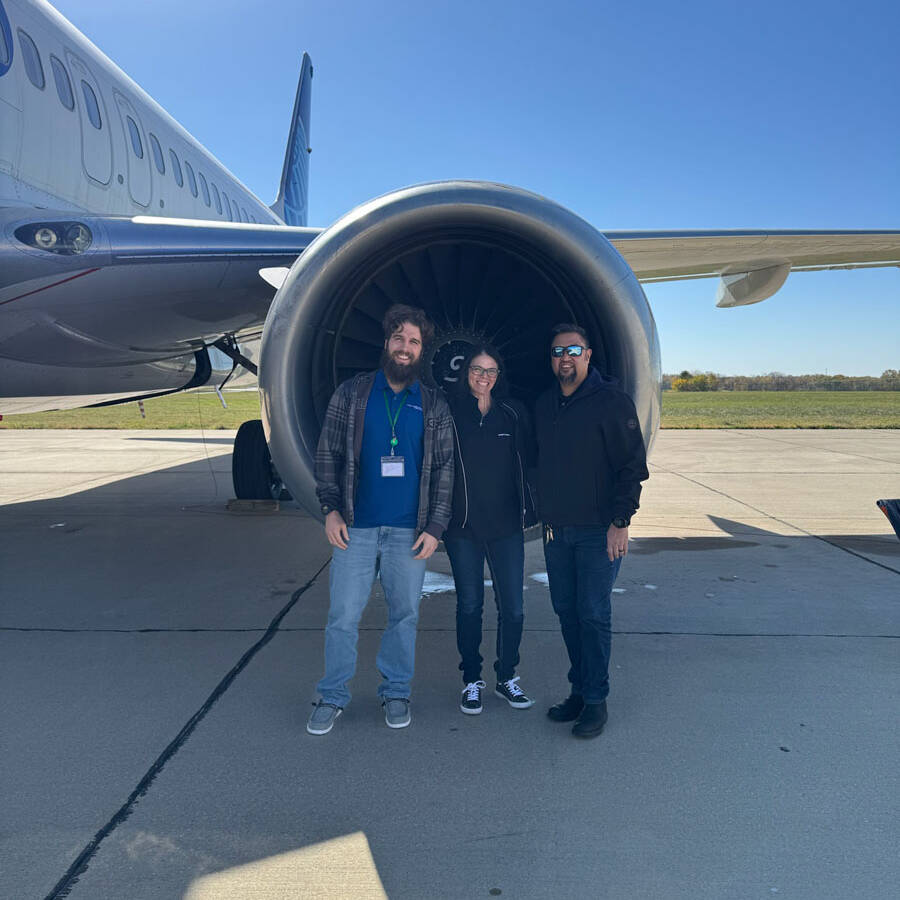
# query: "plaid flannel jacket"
(337, 455)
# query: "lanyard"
(393, 418)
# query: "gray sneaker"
(321, 719)
(396, 712)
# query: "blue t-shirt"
(390, 501)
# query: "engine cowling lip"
(341, 259)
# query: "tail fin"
(292, 204)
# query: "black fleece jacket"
(591, 455)
(492, 498)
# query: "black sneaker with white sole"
(470, 699)
(513, 694)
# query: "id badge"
(392, 467)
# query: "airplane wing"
(151, 294)
(151, 288)
(752, 265)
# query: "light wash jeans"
(386, 552)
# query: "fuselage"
(80, 141)
(76, 133)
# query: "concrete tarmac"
(158, 656)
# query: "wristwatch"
(326, 509)
(620, 522)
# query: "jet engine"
(485, 262)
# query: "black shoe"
(567, 711)
(513, 694)
(470, 699)
(591, 721)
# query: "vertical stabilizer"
(292, 204)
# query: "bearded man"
(384, 479)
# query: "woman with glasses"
(492, 505)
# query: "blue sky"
(642, 115)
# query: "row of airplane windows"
(35, 71)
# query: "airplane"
(134, 264)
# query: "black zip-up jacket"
(492, 498)
(591, 455)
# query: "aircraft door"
(10, 101)
(137, 152)
(96, 140)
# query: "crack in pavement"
(82, 861)
(552, 629)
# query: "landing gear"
(254, 476)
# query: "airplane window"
(204, 188)
(32, 58)
(192, 182)
(90, 102)
(157, 154)
(63, 85)
(227, 206)
(216, 197)
(176, 168)
(136, 143)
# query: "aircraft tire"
(252, 472)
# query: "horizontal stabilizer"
(292, 204)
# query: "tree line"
(889, 380)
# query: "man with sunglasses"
(591, 462)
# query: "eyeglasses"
(478, 370)
(571, 350)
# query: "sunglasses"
(571, 350)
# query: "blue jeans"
(506, 560)
(581, 581)
(386, 552)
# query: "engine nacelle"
(485, 261)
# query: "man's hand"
(616, 542)
(336, 530)
(427, 543)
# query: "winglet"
(292, 204)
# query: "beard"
(400, 373)
(567, 378)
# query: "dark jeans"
(506, 560)
(581, 581)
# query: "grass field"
(719, 409)
(781, 409)
(195, 410)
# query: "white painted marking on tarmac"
(59, 525)
(618, 590)
(650, 587)
(540, 577)
(438, 583)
